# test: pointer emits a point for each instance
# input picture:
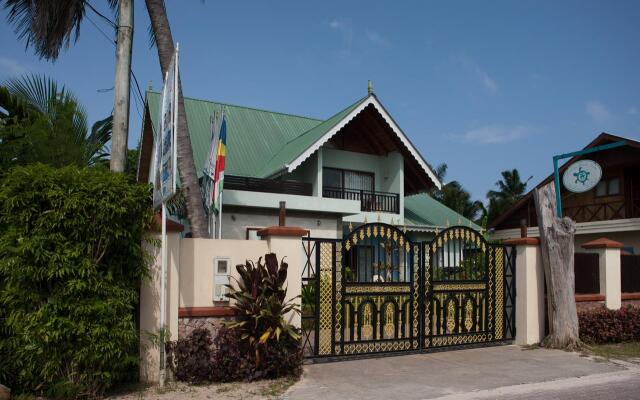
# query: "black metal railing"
(369, 200)
(267, 185)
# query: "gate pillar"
(529, 290)
(284, 241)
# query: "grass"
(620, 351)
(277, 387)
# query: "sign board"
(166, 169)
(582, 176)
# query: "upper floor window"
(608, 187)
(347, 179)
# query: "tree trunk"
(187, 167)
(557, 246)
(120, 133)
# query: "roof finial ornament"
(369, 87)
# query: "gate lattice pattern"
(375, 291)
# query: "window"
(347, 179)
(609, 187)
(220, 278)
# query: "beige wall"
(628, 239)
(236, 220)
(190, 283)
(150, 306)
(196, 266)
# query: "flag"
(218, 176)
(209, 165)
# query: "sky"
(482, 86)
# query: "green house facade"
(354, 167)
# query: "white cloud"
(344, 27)
(377, 39)
(597, 111)
(480, 74)
(493, 134)
(12, 67)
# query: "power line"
(114, 42)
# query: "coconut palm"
(511, 189)
(164, 43)
(50, 25)
(44, 122)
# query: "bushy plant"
(601, 325)
(259, 302)
(71, 263)
(191, 359)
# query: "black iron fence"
(369, 200)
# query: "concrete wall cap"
(526, 241)
(283, 231)
(603, 243)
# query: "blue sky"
(482, 86)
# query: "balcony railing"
(604, 211)
(267, 185)
(369, 201)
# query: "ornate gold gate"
(376, 291)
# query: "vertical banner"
(167, 155)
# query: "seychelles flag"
(218, 176)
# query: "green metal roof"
(424, 210)
(254, 136)
(298, 145)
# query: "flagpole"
(220, 216)
(163, 295)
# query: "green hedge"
(71, 262)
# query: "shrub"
(71, 262)
(232, 362)
(260, 344)
(191, 359)
(259, 302)
(602, 325)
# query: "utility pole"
(122, 85)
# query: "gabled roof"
(295, 147)
(273, 142)
(601, 139)
(301, 148)
(264, 133)
(423, 210)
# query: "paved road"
(506, 372)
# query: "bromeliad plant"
(259, 302)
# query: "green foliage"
(43, 122)
(601, 325)
(259, 302)
(456, 197)
(71, 262)
(511, 189)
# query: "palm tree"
(454, 196)
(511, 189)
(188, 177)
(50, 25)
(44, 122)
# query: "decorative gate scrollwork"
(376, 291)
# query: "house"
(335, 173)
(611, 209)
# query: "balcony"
(233, 182)
(369, 201)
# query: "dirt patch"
(267, 389)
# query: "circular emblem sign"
(582, 176)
